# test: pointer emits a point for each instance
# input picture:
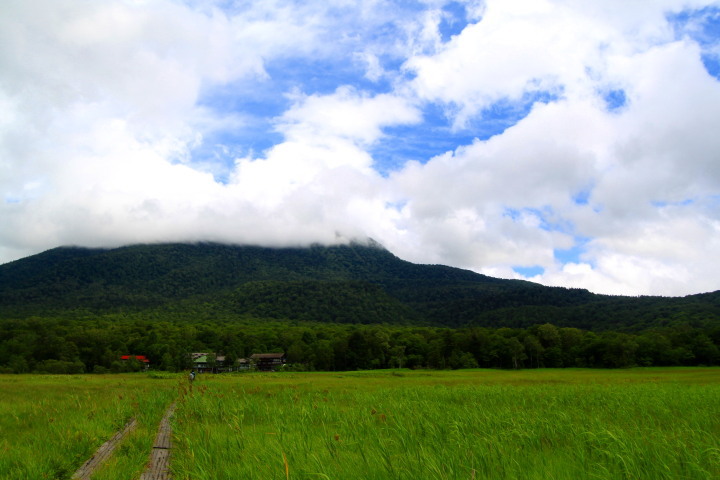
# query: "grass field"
(465, 424)
(49, 425)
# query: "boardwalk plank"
(103, 453)
(159, 464)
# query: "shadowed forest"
(72, 310)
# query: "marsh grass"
(50, 425)
(570, 424)
(470, 424)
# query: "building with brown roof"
(268, 362)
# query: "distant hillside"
(340, 284)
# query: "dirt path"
(159, 465)
(103, 453)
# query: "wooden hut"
(268, 362)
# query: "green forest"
(77, 346)
(73, 310)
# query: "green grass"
(562, 424)
(468, 424)
(50, 425)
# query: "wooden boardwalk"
(159, 465)
(103, 453)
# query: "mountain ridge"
(350, 283)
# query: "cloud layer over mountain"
(567, 142)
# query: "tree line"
(351, 284)
(60, 345)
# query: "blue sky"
(563, 142)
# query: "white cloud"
(518, 47)
(346, 114)
(658, 148)
(673, 253)
(101, 105)
(373, 69)
(522, 47)
(101, 112)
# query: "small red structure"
(140, 358)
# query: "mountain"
(356, 283)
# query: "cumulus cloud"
(629, 164)
(345, 114)
(611, 152)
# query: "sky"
(566, 142)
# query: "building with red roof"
(140, 358)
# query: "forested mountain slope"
(339, 284)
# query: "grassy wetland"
(51, 424)
(465, 424)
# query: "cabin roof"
(266, 356)
(141, 358)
